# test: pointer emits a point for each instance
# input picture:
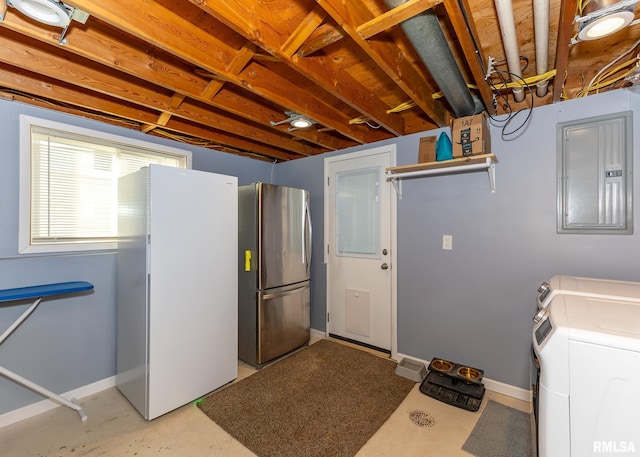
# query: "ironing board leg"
(24, 381)
(44, 392)
(20, 320)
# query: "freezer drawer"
(283, 320)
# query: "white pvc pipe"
(541, 30)
(510, 42)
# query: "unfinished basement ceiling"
(220, 74)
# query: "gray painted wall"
(473, 304)
(69, 343)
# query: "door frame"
(391, 150)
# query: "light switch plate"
(447, 242)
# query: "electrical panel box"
(595, 181)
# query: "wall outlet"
(447, 242)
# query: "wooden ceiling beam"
(322, 37)
(349, 15)
(224, 141)
(240, 60)
(28, 55)
(258, 27)
(176, 101)
(465, 30)
(50, 93)
(305, 29)
(151, 22)
(394, 17)
(98, 45)
(565, 32)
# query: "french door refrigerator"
(176, 295)
(274, 242)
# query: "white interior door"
(360, 248)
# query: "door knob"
(384, 266)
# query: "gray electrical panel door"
(595, 175)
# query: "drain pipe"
(541, 24)
(425, 34)
(510, 42)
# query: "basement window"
(69, 184)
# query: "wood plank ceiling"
(220, 74)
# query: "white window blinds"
(74, 184)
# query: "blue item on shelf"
(444, 150)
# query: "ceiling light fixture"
(50, 12)
(297, 121)
(604, 18)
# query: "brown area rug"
(325, 400)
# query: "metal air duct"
(425, 34)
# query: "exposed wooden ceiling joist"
(221, 74)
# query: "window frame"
(25, 180)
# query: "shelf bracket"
(492, 175)
(398, 186)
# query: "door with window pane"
(359, 269)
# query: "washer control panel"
(542, 325)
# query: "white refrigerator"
(177, 302)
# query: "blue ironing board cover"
(21, 293)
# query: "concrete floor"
(114, 428)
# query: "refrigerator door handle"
(285, 293)
(306, 236)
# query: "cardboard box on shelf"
(471, 136)
(427, 149)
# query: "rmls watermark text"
(614, 447)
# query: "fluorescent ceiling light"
(605, 25)
(50, 12)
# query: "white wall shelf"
(418, 170)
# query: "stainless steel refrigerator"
(274, 240)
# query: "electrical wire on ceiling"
(363, 120)
(601, 81)
(598, 81)
(511, 115)
(439, 95)
(402, 107)
(200, 142)
(528, 81)
(76, 109)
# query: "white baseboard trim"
(40, 407)
(318, 334)
(489, 384)
(507, 389)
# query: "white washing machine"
(593, 287)
(588, 383)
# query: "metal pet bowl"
(441, 365)
(468, 373)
